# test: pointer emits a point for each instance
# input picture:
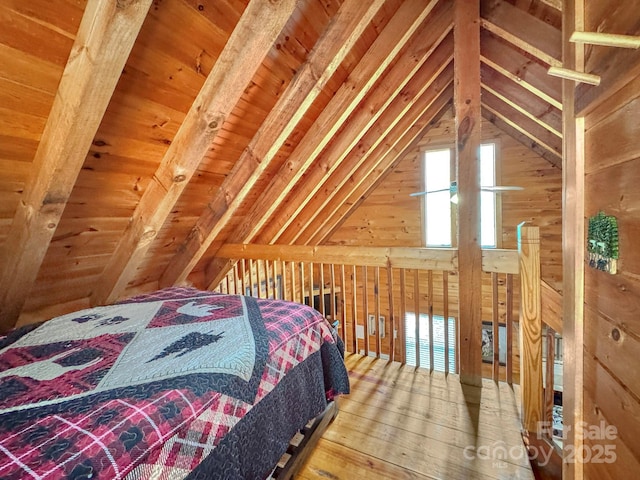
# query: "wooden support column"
(530, 328)
(466, 59)
(573, 243)
(106, 35)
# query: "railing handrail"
(438, 259)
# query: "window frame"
(454, 209)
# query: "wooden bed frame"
(302, 444)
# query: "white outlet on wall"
(372, 325)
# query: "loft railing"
(374, 292)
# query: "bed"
(179, 383)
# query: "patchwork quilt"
(180, 383)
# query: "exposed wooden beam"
(508, 127)
(385, 48)
(468, 124)
(522, 123)
(106, 35)
(416, 61)
(403, 114)
(328, 53)
(521, 69)
(525, 102)
(528, 33)
(378, 167)
(242, 55)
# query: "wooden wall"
(612, 302)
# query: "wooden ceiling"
(137, 137)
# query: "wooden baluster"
(550, 379)
(311, 289)
(376, 320)
(354, 310)
(302, 294)
(343, 303)
(445, 313)
(403, 317)
(392, 321)
(416, 298)
(283, 281)
(332, 293)
(321, 290)
(495, 319)
(365, 310)
(430, 312)
(509, 321)
(251, 284)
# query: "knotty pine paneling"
(35, 41)
(612, 302)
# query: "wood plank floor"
(403, 423)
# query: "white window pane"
(488, 219)
(438, 219)
(487, 165)
(437, 170)
(487, 199)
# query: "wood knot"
(615, 334)
(179, 178)
(51, 225)
(148, 235)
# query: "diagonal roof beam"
(522, 123)
(105, 38)
(381, 134)
(525, 31)
(404, 139)
(244, 52)
(521, 69)
(327, 55)
(410, 63)
(384, 49)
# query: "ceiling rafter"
(104, 40)
(327, 55)
(521, 136)
(408, 104)
(525, 102)
(520, 69)
(381, 166)
(526, 32)
(374, 107)
(244, 52)
(522, 124)
(385, 48)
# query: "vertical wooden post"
(467, 125)
(530, 328)
(392, 321)
(573, 242)
(403, 316)
(509, 322)
(354, 310)
(365, 310)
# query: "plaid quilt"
(147, 388)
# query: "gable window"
(441, 197)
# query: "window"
(439, 202)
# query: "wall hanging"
(602, 243)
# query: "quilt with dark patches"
(176, 384)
